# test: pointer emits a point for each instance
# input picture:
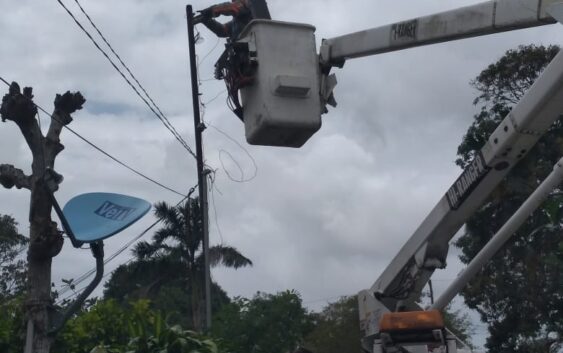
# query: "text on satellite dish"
(114, 212)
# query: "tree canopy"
(267, 323)
(518, 294)
(336, 328)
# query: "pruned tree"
(46, 240)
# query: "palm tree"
(176, 249)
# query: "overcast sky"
(324, 219)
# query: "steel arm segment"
(426, 250)
(470, 21)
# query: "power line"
(118, 252)
(77, 291)
(160, 116)
(212, 180)
(128, 70)
(99, 149)
(215, 97)
(89, 273)
(243, 180)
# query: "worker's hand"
(206, 13)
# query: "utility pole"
(199, 127)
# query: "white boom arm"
(471, 21)
(400, 284)
(427, 249)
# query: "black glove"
(206, 13)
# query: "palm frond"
(144, 250)
(227, 256)
(170, 215)
(163, 234)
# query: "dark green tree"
(12, 285)
(336, 328)
(173, 259)
(267, 323)
(12, 267)
(460, 325)
(519, 292)
(142, 280)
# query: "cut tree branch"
(65, 105)
(19, 108)
(11, 176)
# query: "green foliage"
(518, 294)
(105, 323)
(12, 269)
(336, 328)
(267, 323)
(142, 280)
(500, 86)
(460, 324)
(108, 327)
(12, 325)
(172, 266)
(12, 286)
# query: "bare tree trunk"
(46, 240)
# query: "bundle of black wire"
(237, 68)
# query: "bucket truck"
(292, 86)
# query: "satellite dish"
(98, 215)
(556, 11)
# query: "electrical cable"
(126, 68)
(76, 292)
(203, 107)
(118, 252)
(162, 118)
(212, 181)
(89, 273)
(215, 97)
(221, 152)
(242, 148)
(123, 164)
(208, 53)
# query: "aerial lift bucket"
(282, 106)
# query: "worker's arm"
(220, 30)
(225, 9)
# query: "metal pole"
(98, 253)
(201, 177)
(29, 337)
(501, 237)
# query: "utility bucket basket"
(282, 105)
